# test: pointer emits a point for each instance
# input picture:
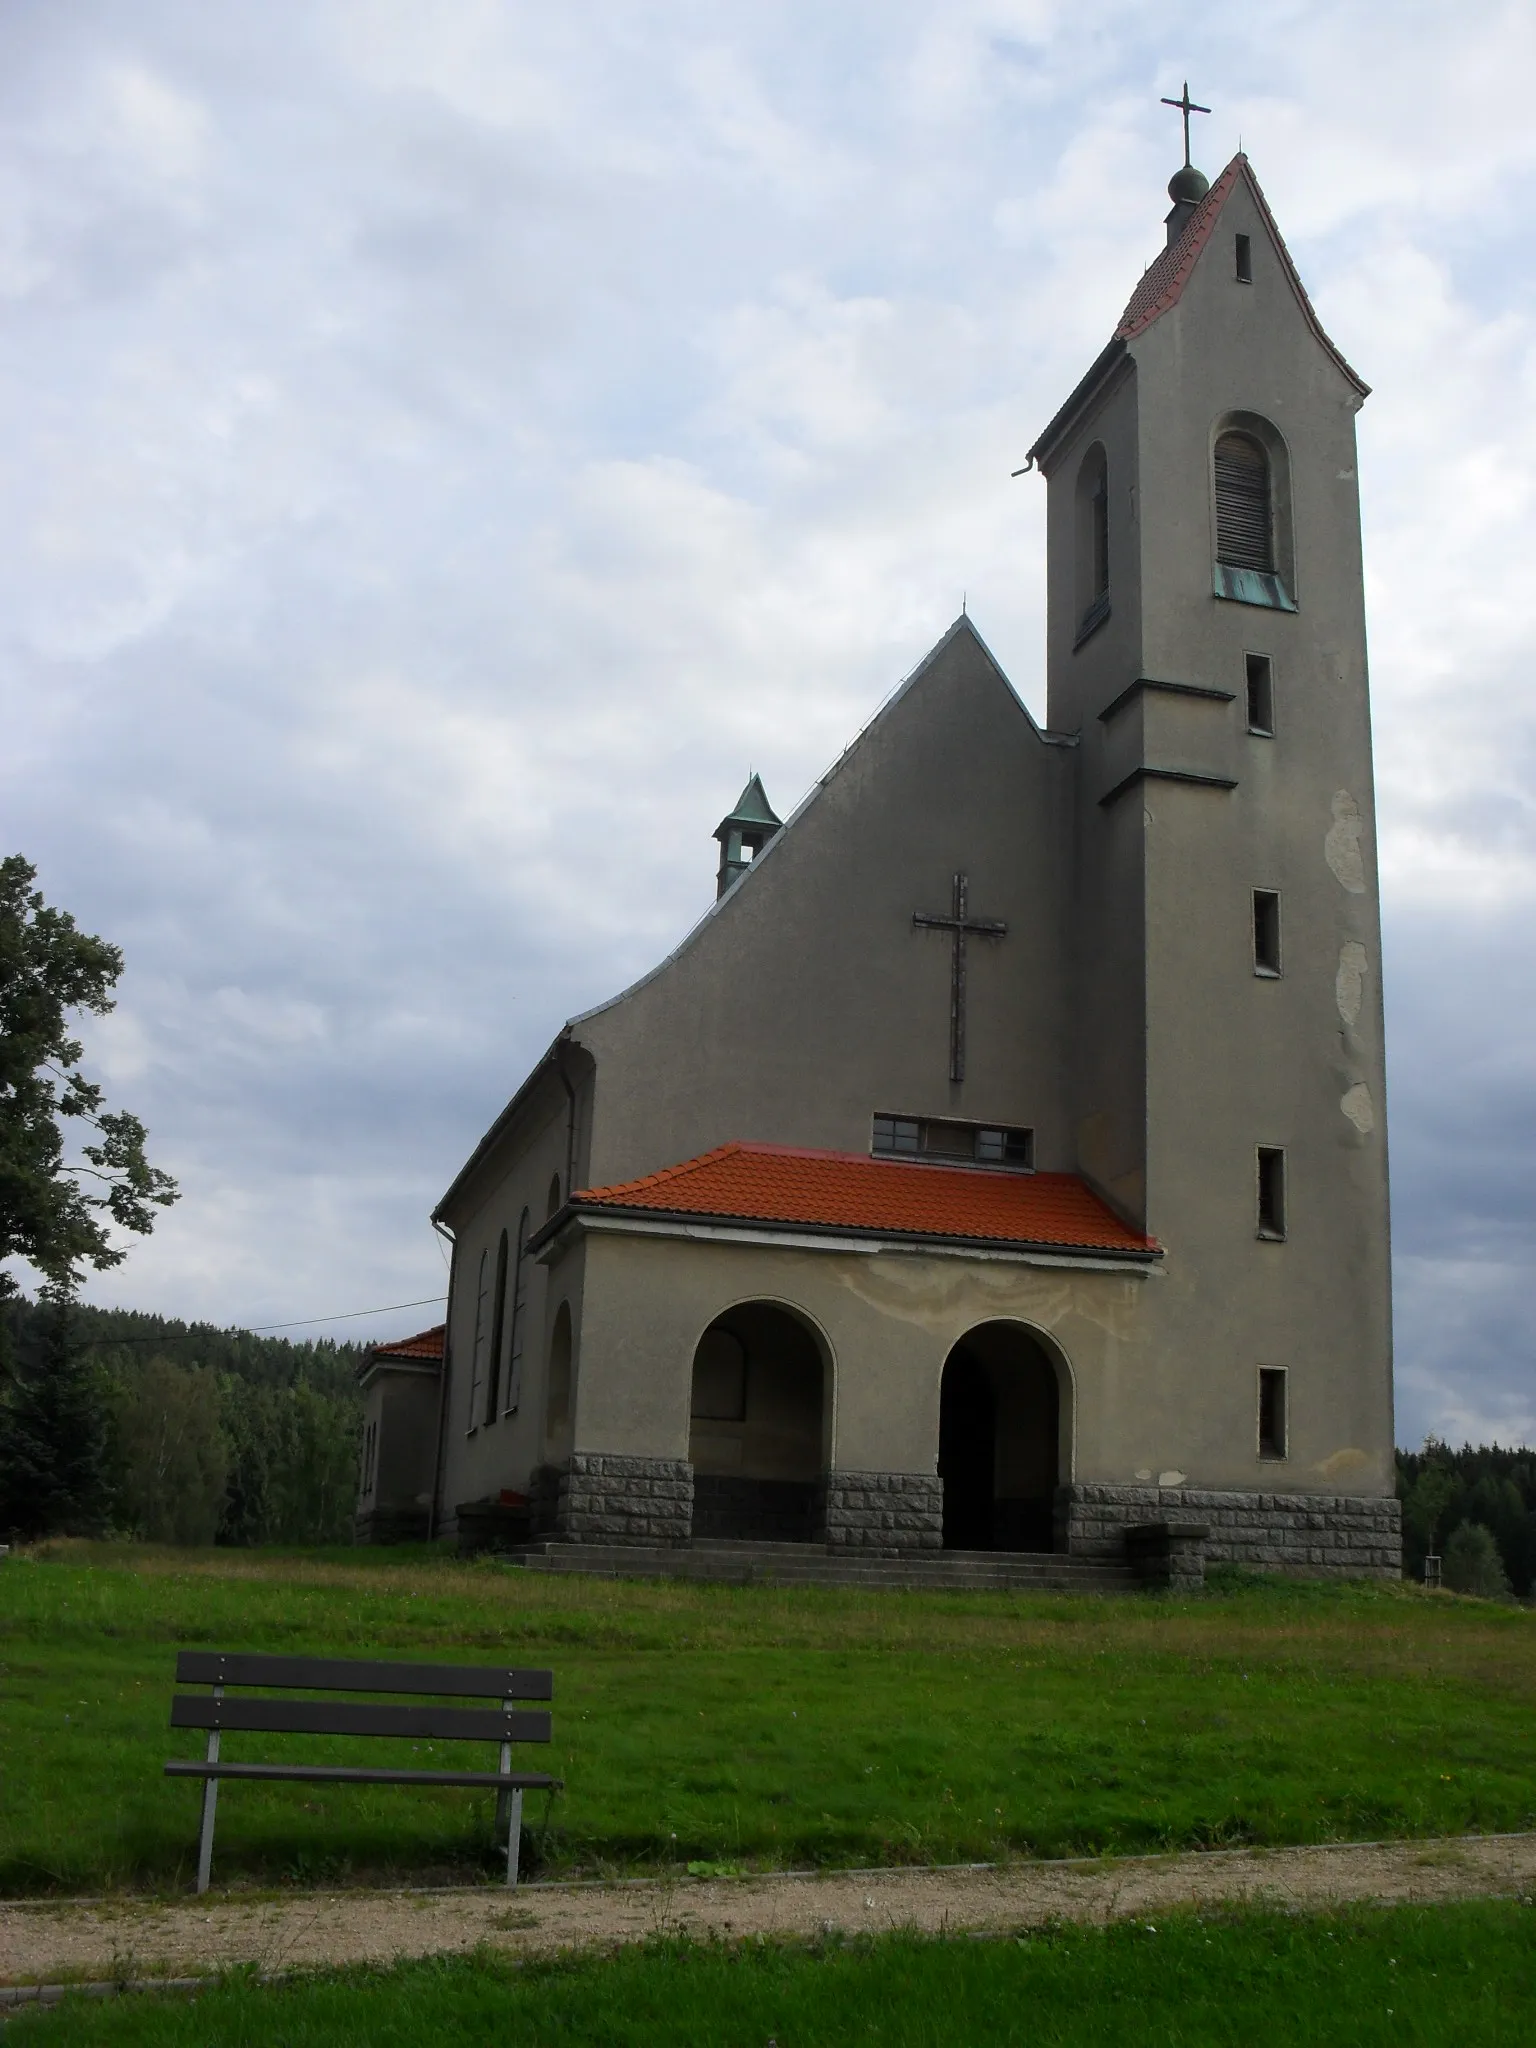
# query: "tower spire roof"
(751, 808)
(1161, 287)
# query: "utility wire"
(346, 1316)
(260, 1329)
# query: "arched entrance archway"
(757, 1430)
(999, 1437)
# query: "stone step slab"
(813, 1565)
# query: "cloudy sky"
(443, 447)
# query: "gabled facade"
(1001, 1160)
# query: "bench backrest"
(437, 1723)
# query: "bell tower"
(743, 832)
(1206, 643)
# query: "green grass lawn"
(1464, 1976)
(763, 1728)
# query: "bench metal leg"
(210, 1804)
(514, 1834)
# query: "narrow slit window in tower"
(1244, 260)
(1261, 694)
(1272, 1418)
(1266, 931)
(1099, 508)
(1091, 569)
(1271, 1191)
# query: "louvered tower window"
(1244, 521)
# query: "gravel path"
(48, 1942)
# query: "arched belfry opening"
(757, 1430)
(1000, 1416)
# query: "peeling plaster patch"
(936, 1294)
(1349, 1460)
(1349, 982)
(1171, 1478)
(1357, 1106)
(1341, 843)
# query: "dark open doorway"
(967, 1451)
(999, 1425)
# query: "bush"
(1473, 1565)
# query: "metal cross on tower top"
(1186, 107)
(959, 923)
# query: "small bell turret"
(744, 832)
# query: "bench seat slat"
(353, 1774)
(359, 1674)
(358, 1717)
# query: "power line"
(346, 1316)
(192, 1335)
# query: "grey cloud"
(447, 449)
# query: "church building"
(1000, 1164)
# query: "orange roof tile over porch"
(783, 1187)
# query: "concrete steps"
(813, 1564)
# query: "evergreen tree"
(55, 1438)
(1441, 1490)
(260, 1432)
(1473, 1564)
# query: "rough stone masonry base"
(885, 1512)
(604, 1498)
(1317, 1535)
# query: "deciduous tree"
(55, 1210)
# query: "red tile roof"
(847, 1192)
(1164, 279)
(426, 1346)
(1166, 276)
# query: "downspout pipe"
(442, 1399)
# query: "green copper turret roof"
(751, 808)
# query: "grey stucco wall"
(807, 1002)
(482, 1458)
(1231, 1060)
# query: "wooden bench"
(504, 1724)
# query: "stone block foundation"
(884, 1513)
(1312, 1535)
(604, 1498)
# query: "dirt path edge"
(50, 1942)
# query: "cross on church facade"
(1186, 107)
(958, 924)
